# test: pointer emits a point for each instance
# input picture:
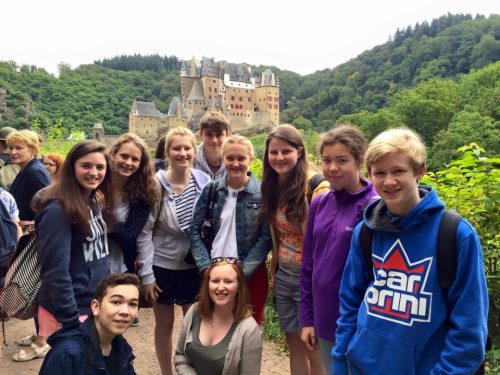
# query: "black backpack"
(312, 184)
(8, 232)
(446, 256)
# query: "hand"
(151, 292)
(100, 199)
(27, 226)
(308, 337)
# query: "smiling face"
(118, 308)
(90, 171)
(20, 153)
(181, 152)
(340, 168)
(127, 159)
(212, 140)
(282, 157)
(396, 182)
(223, 285)
(237, 159)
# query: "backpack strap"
(313, 183)
(446, 252)
(365, 239)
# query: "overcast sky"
(302, 36)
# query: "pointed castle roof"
(196, 93)
(146, 109)
(176, 109)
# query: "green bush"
(471, 185)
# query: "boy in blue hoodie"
(400, 320)
(97, 346)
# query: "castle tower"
(267, 96)
(195, 102)
(97, 131)
(176, 115)
(188, 75)
(210, 82)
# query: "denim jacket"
(253, 240)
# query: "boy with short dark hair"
(214, 128)
(397, 318)
(97, 346)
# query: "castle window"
(241, 99)
(270, 106)
(275, 106)
(232, 97)
(210, 89)
(249, 100)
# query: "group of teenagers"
(109, 213)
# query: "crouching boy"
(395, 315)
(97, 346)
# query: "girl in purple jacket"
(331, 221)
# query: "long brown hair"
(68, 192)
(206, 305)
(141, 185)
(290, 193)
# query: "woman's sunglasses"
(230, 260)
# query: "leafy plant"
(471, 185)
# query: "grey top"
(244, 352)
(207, 360)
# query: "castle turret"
(267, 96)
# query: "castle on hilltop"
(250, 103)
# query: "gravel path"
(141, 339)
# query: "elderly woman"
(24, 147)
(53, 162)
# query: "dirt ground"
(141, 340)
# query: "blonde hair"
(238, 140)
(402, 140)
(28, 137)
(181, 131)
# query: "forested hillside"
(448, 46)
(379, 87)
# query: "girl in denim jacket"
(238, 231)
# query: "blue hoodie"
(402, 323)
(76, 351)
(72, 261)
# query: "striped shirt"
(184, 205)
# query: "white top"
(10, 203)
(224, 244)
(117, 264)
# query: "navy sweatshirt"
(29, 180)
(72, 262)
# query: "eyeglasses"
(230, 260)
(50, 164)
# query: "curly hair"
(140, 186)
(290, 193)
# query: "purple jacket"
(331, 221)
